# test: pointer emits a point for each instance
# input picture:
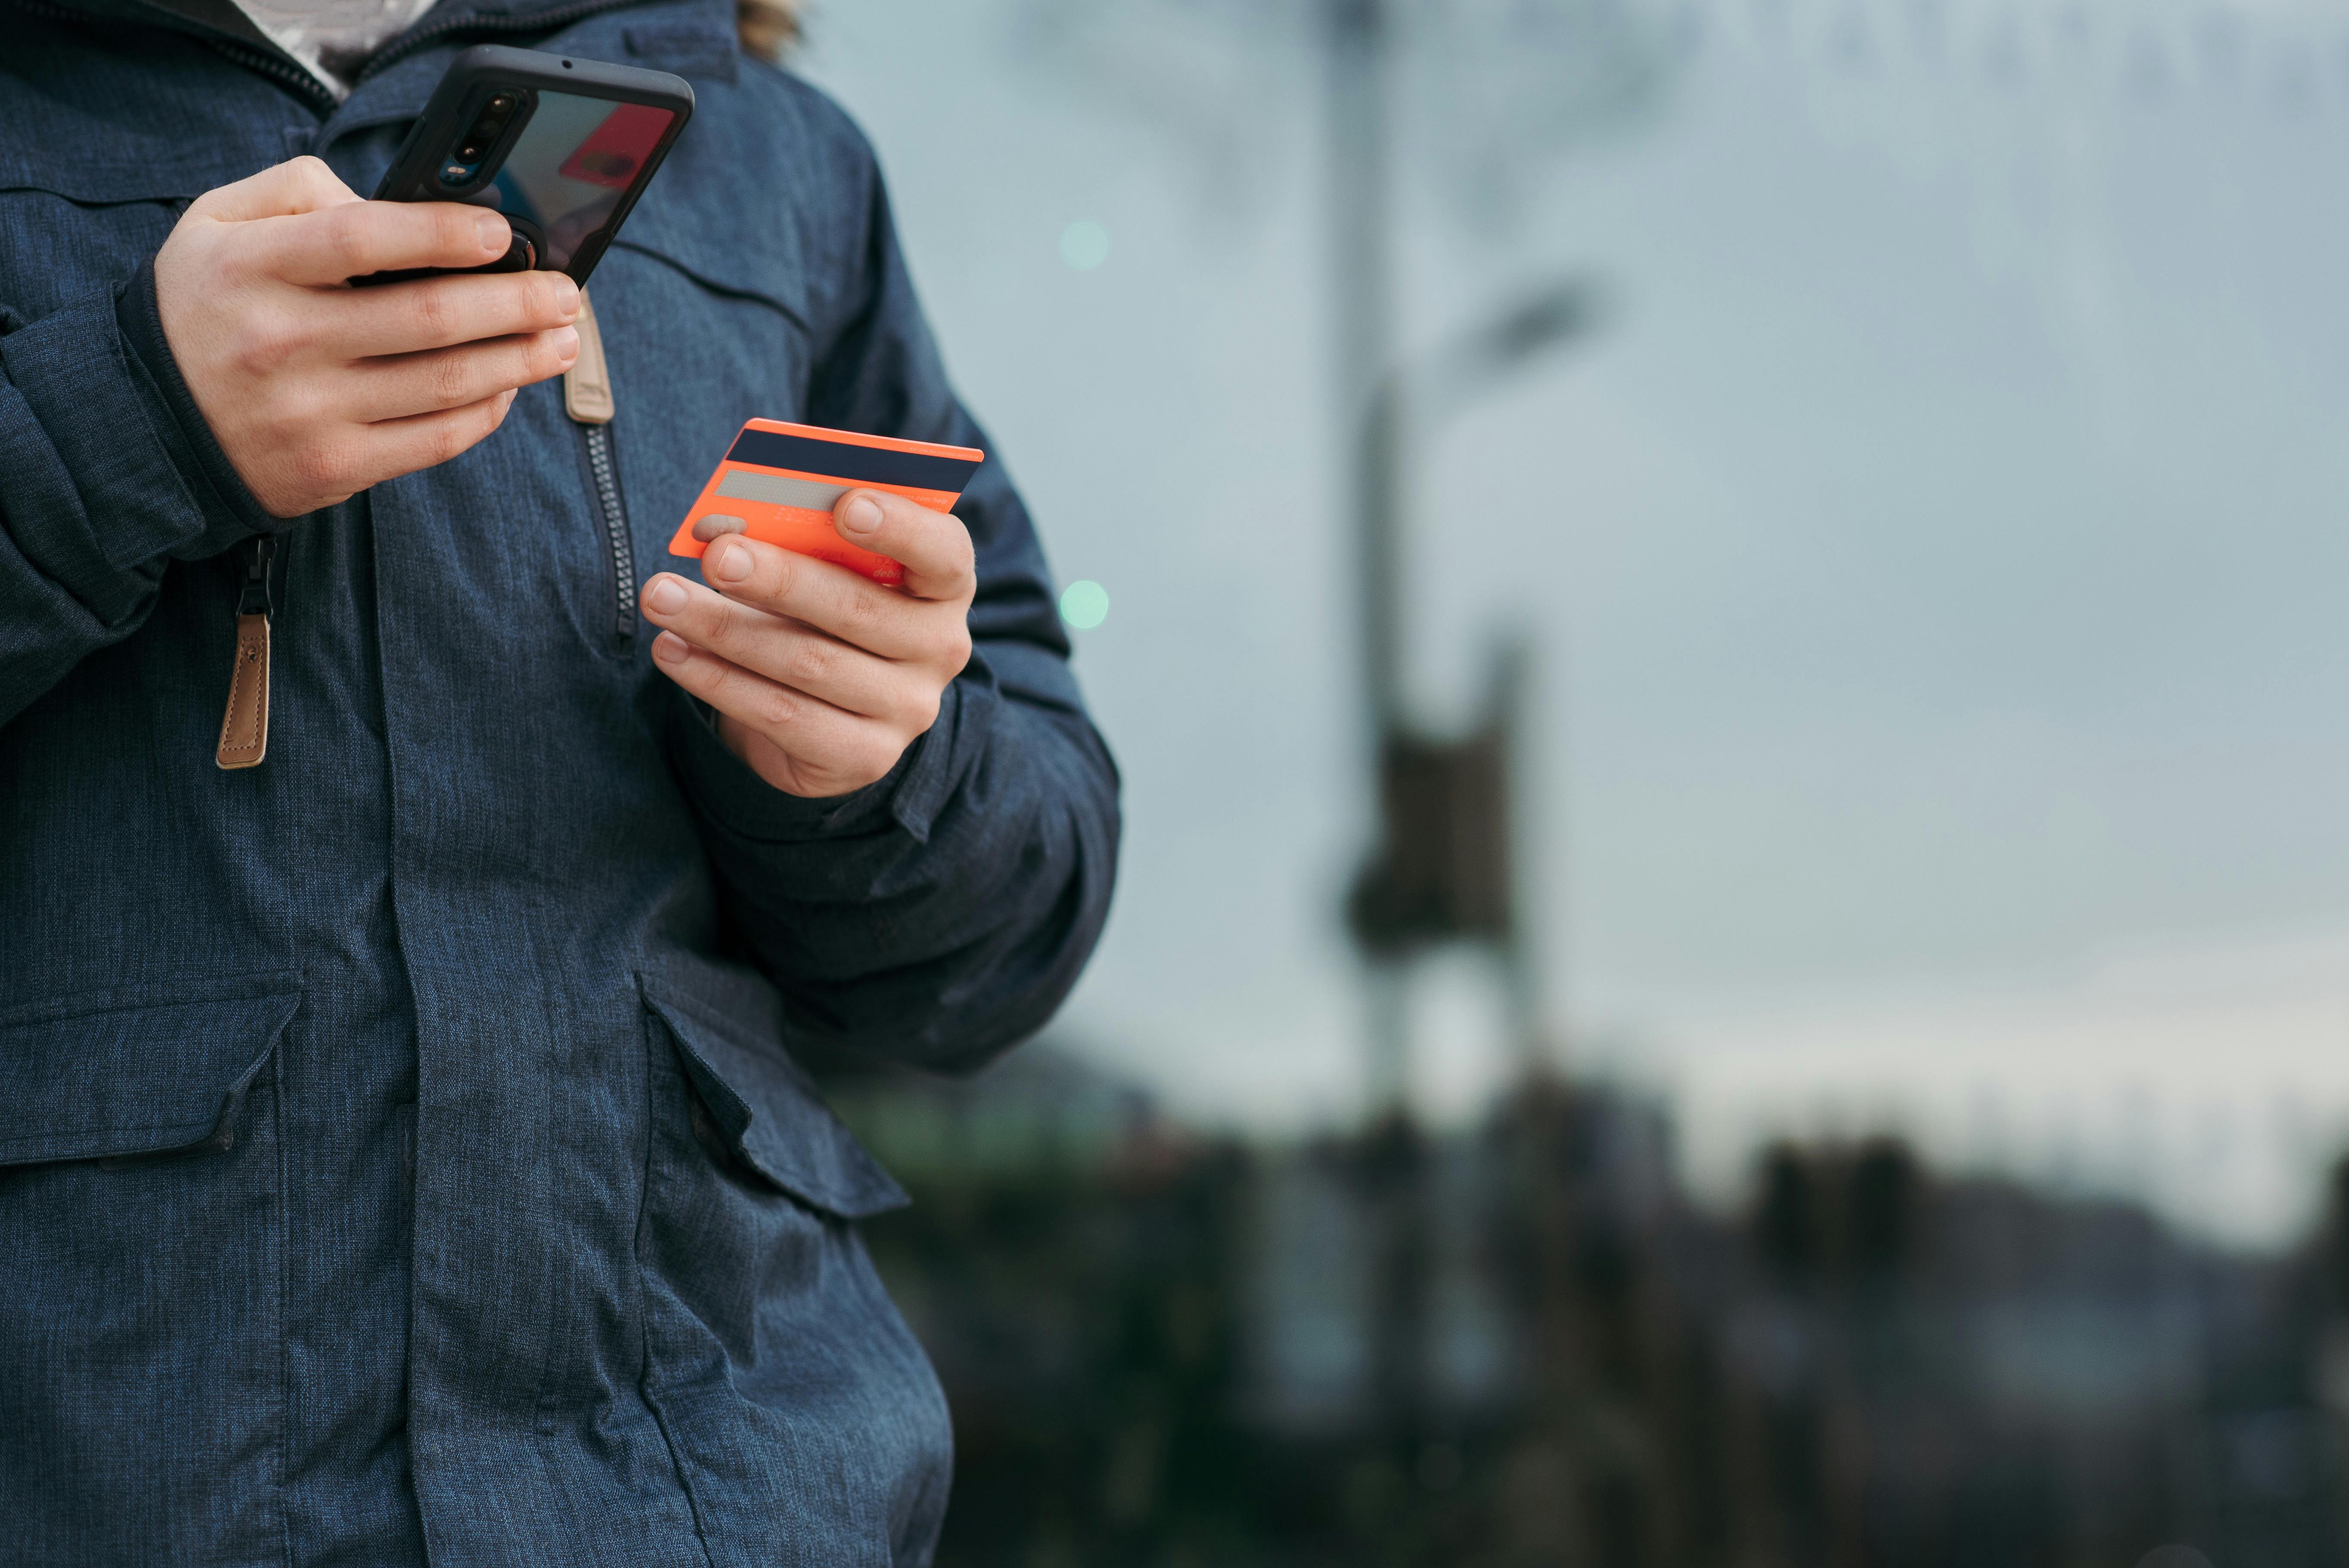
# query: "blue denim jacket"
(401, 1149)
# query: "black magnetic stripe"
(847, 460)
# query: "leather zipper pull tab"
(244, 728)
(588, 384)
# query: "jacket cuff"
(733, 799)
(230, 511)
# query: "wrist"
(232, 511)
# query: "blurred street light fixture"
(1441, 869)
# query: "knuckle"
(432, 313)
(319, 468)
(777, 709)
(862, 612)
(923, 711)
(810, 663)
(272, 336)
(541, 299)
(311, 176)
(292, 410)
(230, 260)
(346, 236)
(540, 358)
(446, 375)
(450, 436)
(455, 228)
(787, 573)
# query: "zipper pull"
(244, 728)
(588, 384)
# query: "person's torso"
(417, 1052)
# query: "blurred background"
(1723, 622)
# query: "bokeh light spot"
(1085, 244)
(1084, 605)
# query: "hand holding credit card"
(779, 483)
(817, 678)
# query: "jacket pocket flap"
(770, 1115)
(109, 1081)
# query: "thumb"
(300, 185)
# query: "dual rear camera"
(464, 160)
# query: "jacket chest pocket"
(141, 1256)
(55, 249)
(80, 212)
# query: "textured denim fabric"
(402, 1155)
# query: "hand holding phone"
(314, 390)
(521, 162)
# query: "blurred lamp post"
(1441, 869)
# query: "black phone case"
(468, 83)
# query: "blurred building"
(1522, 1345)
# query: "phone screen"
(571, 166)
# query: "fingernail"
(567, 295)
(861, 516)
(669, 648)
(732, 562)
(566, 343)
(495, 232)
(664, 596)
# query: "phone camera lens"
(502, 103)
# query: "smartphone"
(561, 147)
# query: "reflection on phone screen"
(570, 168)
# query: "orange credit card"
(779, 483)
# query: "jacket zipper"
(616, 528)
(588, 398)
(282, 68)
(288, 72)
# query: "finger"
(933, 546)
(390, 447)
(355, 238)
(812, 731)
(849, 605)
(439, 313)
(403, 385)
(299, 185)
(781, 651)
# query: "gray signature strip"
(774, 489)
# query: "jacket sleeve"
(938, 916)
(107, 472)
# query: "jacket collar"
(223, 24)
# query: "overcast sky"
(1937, 564)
